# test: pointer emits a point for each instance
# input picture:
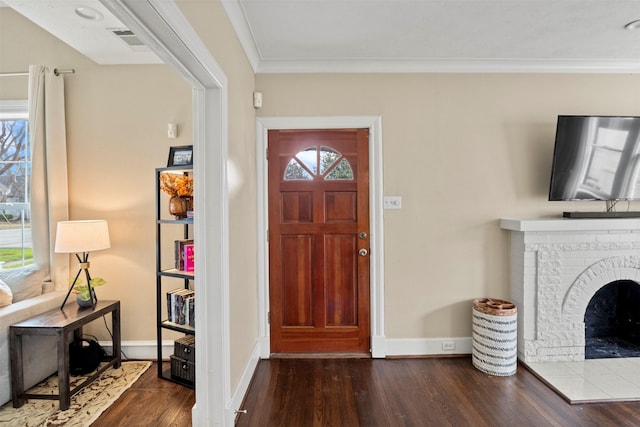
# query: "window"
(318, 161)
(15, 174)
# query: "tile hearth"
(593, 380)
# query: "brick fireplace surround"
(557, 265)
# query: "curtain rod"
(56, 71)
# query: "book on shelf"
(189, 257)
(171, 305)
(179, 252)
(177, 305)
(190, 311)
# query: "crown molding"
(450, 66)
(238, 19)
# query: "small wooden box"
(185, 348)
(183, 369)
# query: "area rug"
(86, 405)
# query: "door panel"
(297, 298)
(341, 280)
(296, 207)
(341, 207)
(318, 204)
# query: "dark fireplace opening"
(612, 321)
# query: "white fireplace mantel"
(566, 224)
(557, 265)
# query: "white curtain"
(49, 190)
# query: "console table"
(62, 323)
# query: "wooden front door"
(319, 240)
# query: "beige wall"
(116, 130)
(463, 150)
(22, 43)
(212, 25)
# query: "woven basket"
(185, 348)
(183, 369)
(495, 336)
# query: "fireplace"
(612, 321)
(561, 272)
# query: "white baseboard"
(427, 346)
(245, 380)
(383, 347)
(144, 350)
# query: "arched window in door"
(318, 162)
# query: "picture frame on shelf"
(180, 156)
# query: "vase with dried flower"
(180, 189)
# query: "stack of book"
(181, 248)
(181, 306)
(189, 257)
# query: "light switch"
(392, 202)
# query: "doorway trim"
(374, 124)
(161, 25)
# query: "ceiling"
(390, 35)
(433, 35)
(94, 38)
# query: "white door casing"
(161, 25)
(374, 124)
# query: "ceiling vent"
(129, 38)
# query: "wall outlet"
(448, 345)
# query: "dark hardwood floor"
(368, 393)
(412, 392)
(150, 401)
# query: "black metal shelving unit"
(162, 324)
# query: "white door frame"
(374, 124)
(161, 25)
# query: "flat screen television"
(596, 158)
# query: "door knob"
(363, 252)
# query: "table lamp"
(82, 237)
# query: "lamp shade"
(82, 236)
